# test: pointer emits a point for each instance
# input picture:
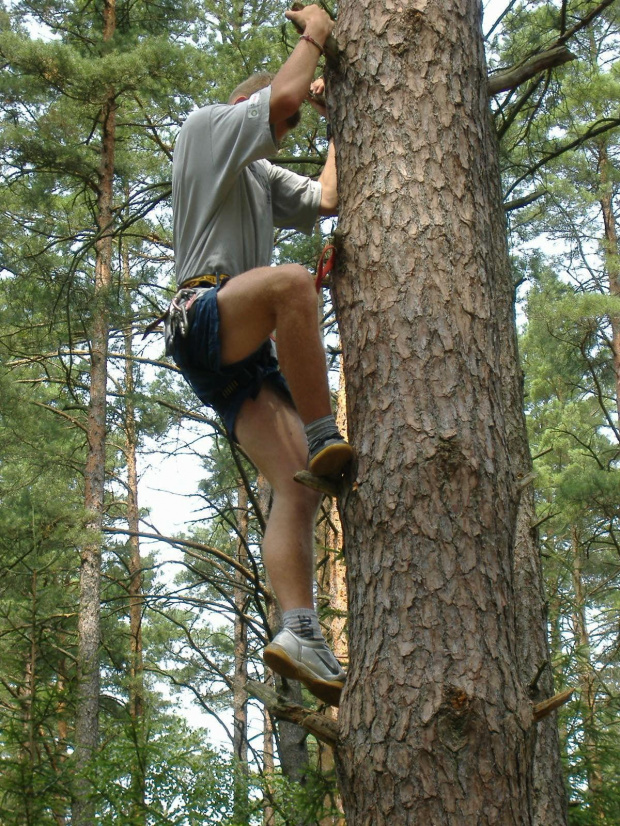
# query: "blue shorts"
(223, 388)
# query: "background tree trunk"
(89, 622)
(240, 697)
(136, 597)
(435, 719)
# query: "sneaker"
(309, 661)
(329, 457)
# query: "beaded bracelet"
(313, 41)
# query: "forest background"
(128, 623)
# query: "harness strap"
(212, 279)
(324, 267)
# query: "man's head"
(254, 83)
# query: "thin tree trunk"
(331, 568)
(60, 754)
(612, 257)
(89, 622)
(27, 696)
(436, 722)
(587, 683)
(136, 597)
(240, 704)
(269, 815)
(549, 799)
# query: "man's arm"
(329, 184)
(290, 86)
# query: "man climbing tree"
(226, 199)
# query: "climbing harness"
(175, 319)
(176, 322)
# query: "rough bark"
(436, 717)
(87, 709)
(549, 800)
(332, 601)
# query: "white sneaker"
(329, 457)
(309, 661)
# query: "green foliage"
(186, 781)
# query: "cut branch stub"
(542, 710)
(322, 727)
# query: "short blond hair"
(253, 84)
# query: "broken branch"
(545, 708)
(517, 75)
(317, 724)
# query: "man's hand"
(312, 20)
(316, 96)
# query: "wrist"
(310, 39)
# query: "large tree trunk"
(436, 720)
(89, 624)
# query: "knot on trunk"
(455, 718)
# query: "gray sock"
(304, 622)
(320, 430)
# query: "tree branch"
(519, 203)
(517, 75)
(584, 21)
(322, 727)
(191, 549)
(545, 708)
(595, 129)
(62, 413)
(555, 55)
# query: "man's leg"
(284, 299)
(256, 303)
(271, 433)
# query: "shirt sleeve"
(234, 136)
(295, 199)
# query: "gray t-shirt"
(226, 199)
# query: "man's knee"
(294, 282)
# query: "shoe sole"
(282, 663)
(332, 460)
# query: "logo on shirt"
(253, 103)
